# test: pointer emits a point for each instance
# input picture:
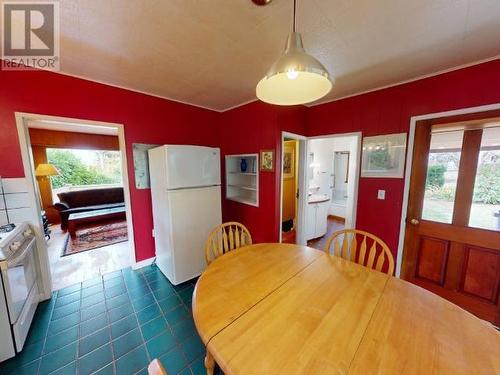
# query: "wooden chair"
(155, 368)
(361, 247)
(226, 237)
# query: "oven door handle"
(14, 262)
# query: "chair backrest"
(226, 237)
(361, 247)
(155, 368)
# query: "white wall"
(322, 170)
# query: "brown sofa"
(88, 200)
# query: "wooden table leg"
(72, 229)
(209, 363)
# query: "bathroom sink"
(318, 198)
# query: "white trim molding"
(410, 80)
(22, 120)
(409, 160)
(143, 263)
(300, 219)
(357, 174)
(303, 182)
(254, 99)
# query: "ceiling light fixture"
(297, 77)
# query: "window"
(442, 176)
(84, 168)
(485, 208)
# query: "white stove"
(19, 293)
(6, 239)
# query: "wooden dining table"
(289, 309)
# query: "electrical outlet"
(381, 195)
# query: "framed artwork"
(288, 162)
(384, 156)
(267, 160)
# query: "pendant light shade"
(296, 78)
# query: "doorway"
(80, 186)
(326, 186)
(293, 147)
(289, 199)
(452, 229)
(332, 182)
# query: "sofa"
(87, 200)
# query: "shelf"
(244, 200)
(245, 173)
(251, 188)
(241, 186)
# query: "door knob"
(414, 222)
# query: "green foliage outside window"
(435, 176)
(74, 172)
(487, 188)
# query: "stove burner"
(7, 228)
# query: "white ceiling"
(212, 53)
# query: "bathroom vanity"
(317, 215)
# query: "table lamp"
(44, 171)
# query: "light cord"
(294, 14)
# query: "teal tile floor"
(115, 324)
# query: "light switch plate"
(381, 195)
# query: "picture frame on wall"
(288, 162)
(383, 156)
(266, 160)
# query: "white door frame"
(359, 137)
(27, 157)
(300, 233)
(408, 170)
(304, 178)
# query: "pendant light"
(297, 77)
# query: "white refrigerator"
(186, 197)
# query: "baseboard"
(143, 263)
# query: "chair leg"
(209, 363)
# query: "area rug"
(95, 237)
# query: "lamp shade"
(44, 170)
(296, 78)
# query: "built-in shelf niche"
(243, 186)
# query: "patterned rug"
(95, 237)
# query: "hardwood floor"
(83, 266)
(334, 225)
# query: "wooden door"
(452, 242)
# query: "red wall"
(389, 111)
(249, 129)
(146, 120)
(246, 129)
(380, 112)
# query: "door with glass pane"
(452, 242)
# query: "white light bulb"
(292, 74)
